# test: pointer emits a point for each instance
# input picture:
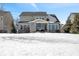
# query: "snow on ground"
(39, 44)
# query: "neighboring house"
(38, 21)
(72, 24)
(6, 21)
(71, 17)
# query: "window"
(21, 26)
(24, 26)
(42, 18)
(47, 19)
(41, 27)
(38, 26)
(36, 18)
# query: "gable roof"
(53, 15)
(33, 14)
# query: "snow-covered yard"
(40, 44)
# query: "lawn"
(39, 44)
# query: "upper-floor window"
(42, 18)
(36, 18)
(1, 17)
(47, 19)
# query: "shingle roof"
(3, 12)
(53, 15)
(75, 13)
(33, 14)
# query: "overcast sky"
(62, 11)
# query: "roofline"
(5, 11)
(55, 17)
(74, 13)
(31, 12)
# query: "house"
(6, 21)
(38, 21)
(72, 23)
(72, 16)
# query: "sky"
(61, 10)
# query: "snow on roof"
(39, 21)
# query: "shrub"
(13, 29)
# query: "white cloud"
(35, 6)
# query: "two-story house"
(38, 21)
(6, 21)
